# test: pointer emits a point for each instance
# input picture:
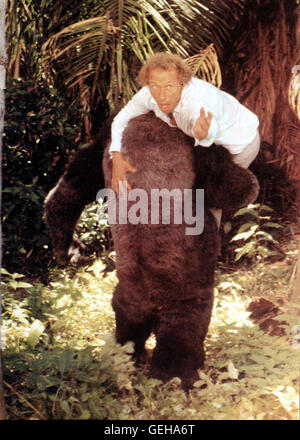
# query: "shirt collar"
(182, 98)
(152, 100)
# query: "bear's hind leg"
(137, 332)
(180, 334)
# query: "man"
(196, 107)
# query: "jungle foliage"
(40, 132)
(62, 362)
(62, 74)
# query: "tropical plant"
(29, 23)
(40, 131)
(62, 362)
(255, 233)
(101, 56)
(256, 43)
(95, 233)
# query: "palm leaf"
(107, 50)
(205, 65)
(72, 39)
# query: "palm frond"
(106, 51)
(75, 35)
(79, 48)
(205, 65)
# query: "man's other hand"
(120, 167)
(202, 125)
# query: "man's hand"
(120, 167)
(202, 125)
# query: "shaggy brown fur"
(165, 276)
(76, 188)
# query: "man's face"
(165, 87)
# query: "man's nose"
(162, 94)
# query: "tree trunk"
(2, 110)
(260, 68)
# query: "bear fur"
(165, 276)
(77, 187)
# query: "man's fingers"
(121, 187)
(115, 186)
(131, 169)
(203, 117)
(120, 184)
(203, 124)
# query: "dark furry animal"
(166, 277)
(77, 187)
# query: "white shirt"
(232, 125)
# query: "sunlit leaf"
(245, 235)
(244, 250)
(273, 225)
(247, 210)
(35, 331)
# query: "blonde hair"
(165, 61)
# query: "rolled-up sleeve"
(137, 106)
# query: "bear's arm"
(226, 185)
(77, 187)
